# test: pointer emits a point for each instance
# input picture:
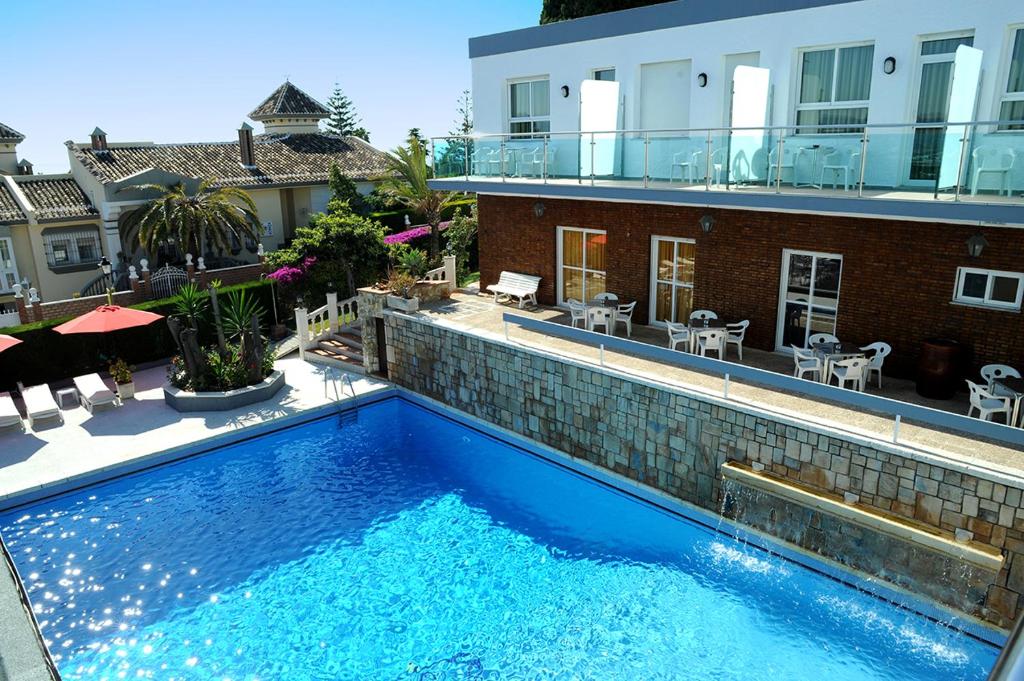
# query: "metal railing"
(944, 158)
(894, 409)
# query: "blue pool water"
(406, 546)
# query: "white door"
(671, 292)
(581, 263)
(808, 296)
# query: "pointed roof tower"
(289, 110)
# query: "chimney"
(24, 167)
(99, 140)
(246, 146)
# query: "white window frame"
(13, 269)
(594, 72)
(987, 301)
(531, 119)
(1004, 93)
(71, 236)
(832, 103)
(560, 278)
(675, 283)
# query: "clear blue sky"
(190, 71)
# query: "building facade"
(54, 229)
(850, 167)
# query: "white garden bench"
(514, 285)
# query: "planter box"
(403, 304)
(185, 401)
(125, 391)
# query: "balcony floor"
(475, 313)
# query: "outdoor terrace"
(969, 172)
(851, 412)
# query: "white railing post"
(863, 162)
(332, 312)
(302, 330)
(725, 387)
(896, 429)
(602, 354)
(449, 272)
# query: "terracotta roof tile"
(281, 159)
(288, 100)
(55, 198)
(9, 210)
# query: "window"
(665, 95)
(835, 85)
(1012, 107)
(72, 247)
(8, 268)
(604, 74)
(529, 107)
(989, 287)
(581, 263)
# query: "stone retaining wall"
(677, 442)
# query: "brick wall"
(897, 279)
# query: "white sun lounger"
(93, 392)
(9, 415)
(39, 404)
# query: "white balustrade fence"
(333, 317)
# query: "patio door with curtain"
(581, 263)
(936, 80)
(809, 296)
(671, 279)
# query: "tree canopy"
(560, 10)
(344, 120)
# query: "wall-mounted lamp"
(976, 244)
(538, 209)
(889, 66)
(565, 90)
(702, 80)
(707, 223)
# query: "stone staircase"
(343, 349)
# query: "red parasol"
(8, 342)
(107, 318)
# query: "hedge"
(394, 220)
(46, 356)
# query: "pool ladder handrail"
(331, 374)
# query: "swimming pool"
(404, 545)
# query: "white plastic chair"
(597, 316)
(577, 312)
(485, 162)
(992, 160)
(839, 162)
(678, 333)
(806, 362)
(990, 372)
(702, 315)
(819, 338)
(737, 332)
(987, 404)
(711, 340)
(775, 167)
(717, 164)
(624, 315)
(689, 164)
(611, 297)
(850, 370)
(875, 362)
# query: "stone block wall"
(677, 442)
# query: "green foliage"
(237, 313)
(209, 219)
(120, 372)
(413, 262)
(462, 241)
(560, 10)
(452, 157)
(191, 303)
(344, 120)
(416, 134)
(225, 371)
(343, 190)
(401, 283)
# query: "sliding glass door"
(671, 279)
(809, 296)
(581, 263)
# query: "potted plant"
(400, 284)
(122, 375)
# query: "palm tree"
(209, 218)
(407, 184)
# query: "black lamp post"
(108, 281)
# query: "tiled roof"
(281, 159)
(55, 198)
(288, 100)
(9, 210)
(9, 134)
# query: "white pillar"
(332, 311)
(111, 239)
(302, 330)
(449, 272)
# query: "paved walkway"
(477, 313)
(145, 426)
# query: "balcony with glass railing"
(981, 162)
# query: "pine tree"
(344, 120)
(453, 156)
(415, 134)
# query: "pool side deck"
(53, 456)
(473, 313)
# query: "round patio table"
(606, 307)
(835, 352)
(698, 325)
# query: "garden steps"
(328, 358)
(341, 347)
